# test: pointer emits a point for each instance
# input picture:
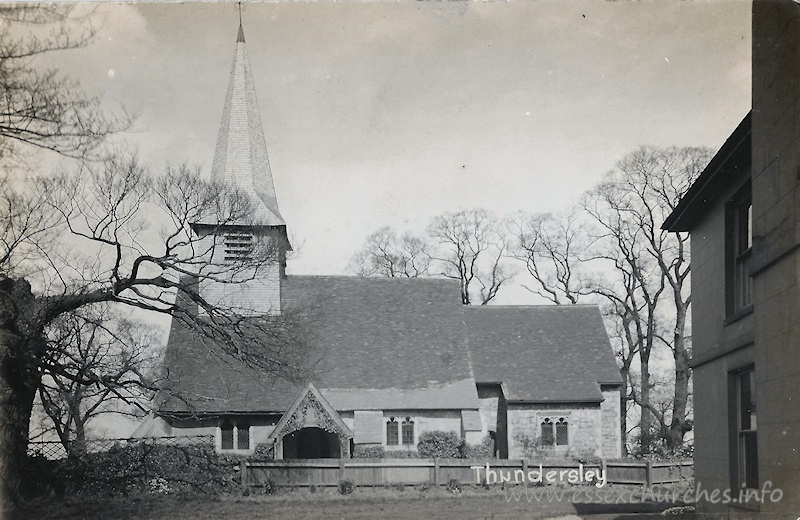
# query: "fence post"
(649, 473)
(243, 473)
(341, 469)
(436, 476)
(604, 469)
(524, 471)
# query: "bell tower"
(240, 161)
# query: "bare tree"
(551, 247)
(472, 249)
(44, 109)
(386, 254)
(616, 250)
(97, 363)
(115, 234)
(650, 291)
(469, 246)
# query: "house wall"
(719, 347)
(776, 258)
(524, 429)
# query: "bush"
(454, 486)
(346, 487)
(269, 488)
(439, 444)
(136, 468)
(263, 452)
(484, 450)
(401, 454)
(370, 451)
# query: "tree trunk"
(19, 379)
(646, 423)
(623, 403)
(679, 426)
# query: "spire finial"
(240, 37)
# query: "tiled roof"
(384, 344)
(240, 158)
(376, 344)
(541, 353)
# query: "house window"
(562, 432)
(234, 437)
(408, 432)
(739, 250)
(547, 432)
(238, 246)
(392, 432)
(747, 451)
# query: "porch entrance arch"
(311, 443)
(311, 429)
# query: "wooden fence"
(379, 472)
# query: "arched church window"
(226, 436)
(547, 432)
(562, 432)
(392, 432)
(408, 431)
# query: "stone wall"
(524, 430)
(610, 417)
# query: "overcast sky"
(390, 113)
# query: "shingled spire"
(240, 158)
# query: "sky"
(391, 113)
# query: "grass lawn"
(367, 504)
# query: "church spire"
(240, 158)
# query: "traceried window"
(562, 432)
(747, 451)
(555, 432)
(392, 432)
(238, 246)
(408, 431)
(739, 222)
(547, 432)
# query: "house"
(743, 213)
(387, 359)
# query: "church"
(395, 358)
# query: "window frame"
(237, 432)
(548, 439)
(562, 422)
(392, 423)
(407, 424)
(744, 432)
(738, 252)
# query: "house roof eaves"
(694, 204)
